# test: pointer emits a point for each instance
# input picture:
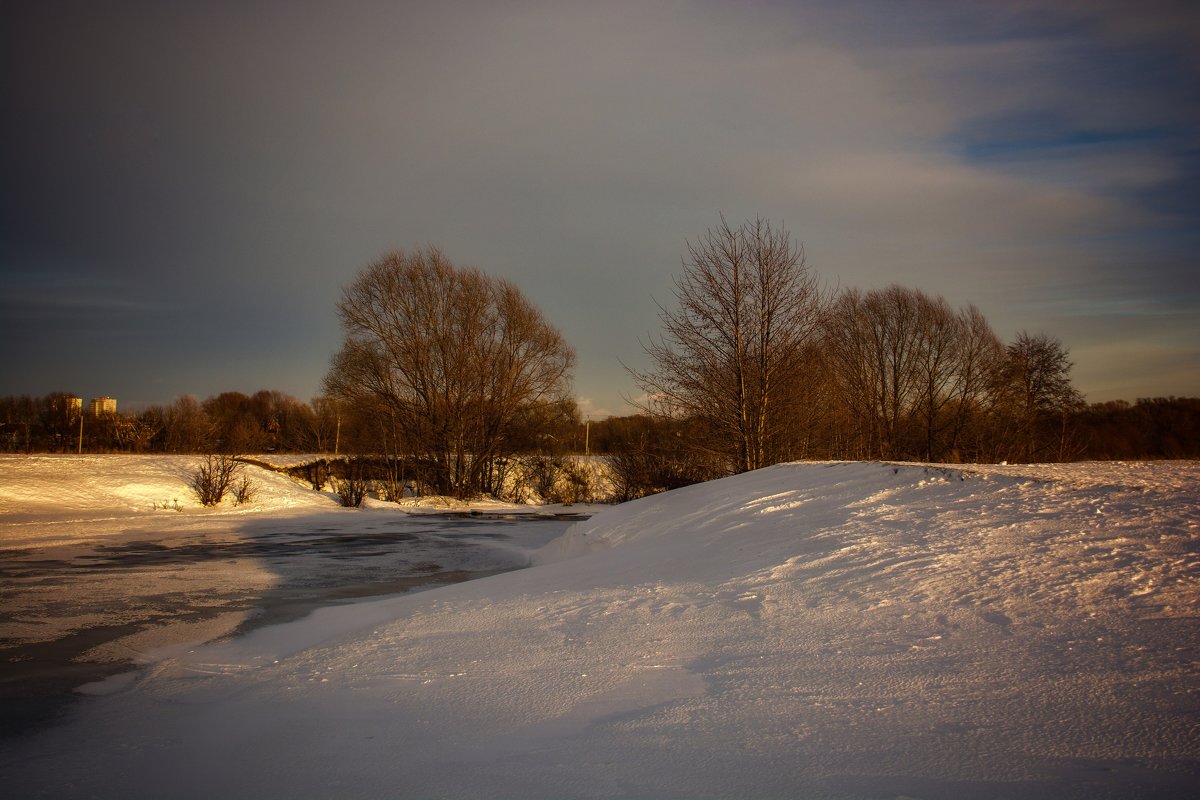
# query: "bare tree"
(324, 424)
(452, 354)
(873, 341)
(188, 428)
(852, 369)
(940, 338)
(747, 305)
(979, 356)
(1036, 391)
(913, 375)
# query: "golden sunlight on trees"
(731, 354)
(913, 373)
(454, 360)
(757, 365)
(1038, 398)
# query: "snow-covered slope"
(808, 630)
(48, 499)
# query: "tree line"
(1149, 428)
(229, 422)
(756, 364)
(770, 367)
(652, 454)
(237, 424)
(449, 375)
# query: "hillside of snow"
(807, 630)
(49, 499)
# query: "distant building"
(103, 405)
(74, 405)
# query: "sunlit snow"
(807, 630)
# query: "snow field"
(807, 630)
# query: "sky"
(185, 188)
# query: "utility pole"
(80, 451)
(587, 438)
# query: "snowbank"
(49, 499)
(808, 630)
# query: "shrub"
(214, 477)
(541, 473)
(639, 471)
(572, 485)
(318, 474)
(352, 488)
(244, 491)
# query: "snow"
(55, 499)
(103, 521)
(841, 630)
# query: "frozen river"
(72, 613)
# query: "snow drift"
(807, 630)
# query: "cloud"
(1017, 155)
(589, 410)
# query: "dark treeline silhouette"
(270, 421)
(651, 453)
(372, 436)
(264, 422)
(230, 422)
(1151, 428)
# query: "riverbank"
(99, 574)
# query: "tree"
(18, 417)
(730, 352)
(980, 356)
(188, 428)
(324, 425)
(236, 428)
(455, 357)
(59, 415)
(872, 340)
(913, 374)
(1038, 395)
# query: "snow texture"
(807, 630)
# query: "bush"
(352, 488)
(541, 474)
(543, 478)
(244, 491)
(318, 474)
(638, 472)
(352, 491)
(573, 485)
(214, 477)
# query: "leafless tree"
(874, 345)
(1037, 393)
(911, 372)
(214, 476)
(939, 337)
(188, 428)
(747, 305)
(452, 354)
(980, 356)
(324, 424)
